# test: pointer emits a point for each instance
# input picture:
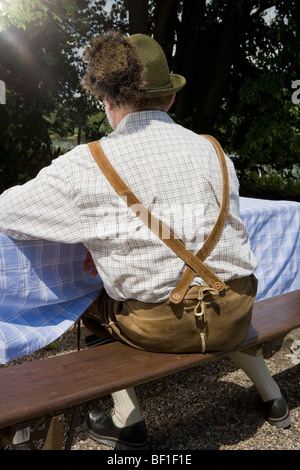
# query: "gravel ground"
(212, 407)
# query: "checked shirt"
(172, 170)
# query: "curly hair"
(113, 69)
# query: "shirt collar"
(142, 118)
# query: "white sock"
(256, 369)
(127, 410)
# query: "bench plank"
(58, 382)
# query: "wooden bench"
(35, 389)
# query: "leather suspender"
(194, 262)
(178, 293)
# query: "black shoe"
(278, 413)
(100, 427)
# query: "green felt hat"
(160, 82)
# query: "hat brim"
(177, 83)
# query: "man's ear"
(108, 104)
(171, 101)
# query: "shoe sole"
(116, 443)
(282, 422)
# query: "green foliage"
(41, 71)
(257, 119)
(22, 151)
(270, 184)
(264, 130)
(21, 12)
(239, 65)
(20, 162)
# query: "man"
(176, 174)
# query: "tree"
(258, 114)
(41, 69)
(239, 66)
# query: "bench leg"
(73, 424)
(54, 436)
(22, 433)
(17, 434)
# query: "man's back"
(176, 174)
(173, 171)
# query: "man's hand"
(89, 264)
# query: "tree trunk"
(188, 37)
(205, 57)
(138, 16)
(165, 19)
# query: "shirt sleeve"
(43, 208)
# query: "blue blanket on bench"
(43, 290)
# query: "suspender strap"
(195, 263)
(178, 293)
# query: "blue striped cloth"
(274, 231)
(43, 289)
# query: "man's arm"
(44, 208)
